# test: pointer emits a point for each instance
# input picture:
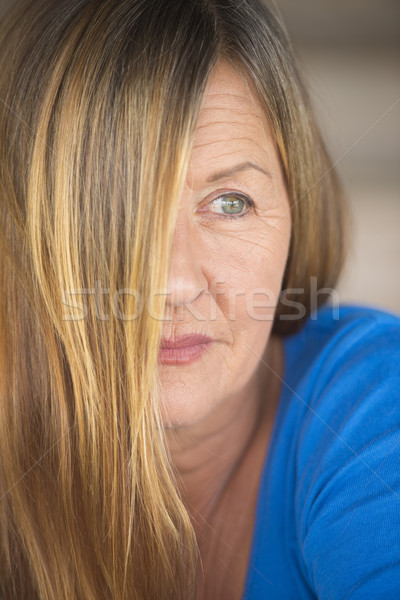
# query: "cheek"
(248, 306)
(248, 309)
(250, 275)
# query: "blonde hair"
(98, 105)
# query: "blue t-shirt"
(328, 510)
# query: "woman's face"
(228, 257)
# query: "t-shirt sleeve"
(348, 492)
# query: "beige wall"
(349, 52)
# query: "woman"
(181, 417)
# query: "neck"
(207, 455)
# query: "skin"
(218, 411)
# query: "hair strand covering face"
(98, 104)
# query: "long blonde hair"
(98, 105)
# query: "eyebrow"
(244, 166)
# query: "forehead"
(232, 123)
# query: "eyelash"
(248, 201)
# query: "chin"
(189, 413)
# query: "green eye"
(231, 205)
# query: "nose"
(186, 279)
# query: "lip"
(184, 349)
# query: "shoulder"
(332, 334)
(346, 357)
(342, 366)
(348, 370)
(347, 387)
(345, 378)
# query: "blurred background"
(349, 54)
